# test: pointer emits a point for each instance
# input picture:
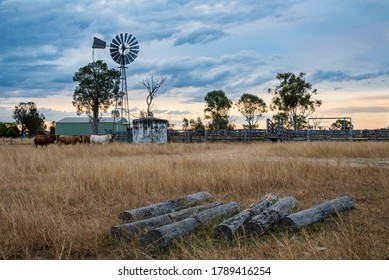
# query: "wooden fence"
(247, 135)
(198, 136)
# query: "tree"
(185, 124)
(27, 116)
(9, 130)
(217, 107)
(293, 98)
(342, 124)
(98, 89)
(252, 108)
(152, 87)
(52, 128)
(196, 124)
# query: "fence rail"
(199, 136)
(282, 134)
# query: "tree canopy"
(217, 108)
(294, 100)
(97, 90)
(342, 124)
(28, 117)
(252, 108)
(9, 130)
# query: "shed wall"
(84, 128)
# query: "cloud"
(179, 112)
(358, 109)
(341, 76)
(200, 36)
(6, 114)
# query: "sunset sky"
(200, 46)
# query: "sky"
(201, 46)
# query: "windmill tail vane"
(98, 43)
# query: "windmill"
(124, 49)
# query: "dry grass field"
(59, 202)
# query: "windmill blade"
(131, 57)
(135, 48)
(121, 37)
(118, 39)
(132, 41)
(115, 54)
(127, 60)
(129, 38)
(118, 58)
(114, 45)
(115, 42)
(134, 51)
(134, 54)
(125, 37)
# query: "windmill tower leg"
(124, 109)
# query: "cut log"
(163, 207)
(162, 236)
(228, 228)
(259, 224)
(130, 229)
(295, 221)
(211, 215)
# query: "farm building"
(149, 130)
(81, 126)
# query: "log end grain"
(126, 217)
(115, 231)
(153, 238)
(287, 224)
(253, 228)
(223, 232)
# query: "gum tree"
(28, 117)
(294, 100)
(97, 90)
(217, 108)
(252, 108)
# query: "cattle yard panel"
(261, 135)
(203, 136)
(282, 134)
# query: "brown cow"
(86, 139)
(68, 140)
(53, 138)
(41, 140)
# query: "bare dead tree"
(152, 87)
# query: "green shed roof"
(86, 120)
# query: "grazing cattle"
(41, 140)
(100, 139)
(53, 138)
(85, 139)
(69, 140)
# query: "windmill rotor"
(124, 48)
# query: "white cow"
(100, 139)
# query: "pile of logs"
(166, 221)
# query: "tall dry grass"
(60, 202)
